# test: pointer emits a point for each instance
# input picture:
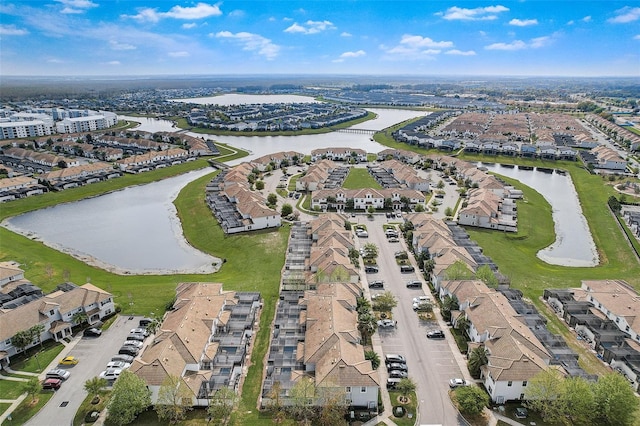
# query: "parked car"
(390, 358)
(376, 284)
(407, 268)
(397, 366)
(111, 373)
(68, 360)
(92, 332)
(394, 240)
(392, 382)
(435, 334)
(134, 343)
(145, 322)
(136, 336)
(51, 383)
(398, 374)
(400, 254)
(128, 350)
(140, 330)
(386, 323)
(414, 284)
(362, 234)
(371, 269)
(118, 364)
(58, 373)
(124, 358)
(456, 383)
(421, 299)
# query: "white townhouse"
(103, 120)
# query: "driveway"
(94, 353)
(431, 363)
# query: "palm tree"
(373, 357)
(95, 385)
(79, 317)
(405, 387)
(366, 325)
(477, 359)
(449, 303)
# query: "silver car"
(58, 373)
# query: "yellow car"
(69, 360)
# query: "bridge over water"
(359, 131)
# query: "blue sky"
(157, 37)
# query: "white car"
(140, 331)
(58, 373)
(456, 383)
(118, 364)
(421, 299)
(386, 323)
(111, 373)
(134, 343)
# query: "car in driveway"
(51, 383)
(111, 373)
(386, 323)
(92, 332)
(414, 284)
(397, 366)
(124, 358)
(391, 358)
(398, 374)
(145, 322)
(394, 240)
(68, 360)
(128, 350)
(457, 382)
(58, 373)
(392, 382)
(370, 269)
(405, 269)
(376, 284)
(140, 330)
(136, 336)
(133, 343)
(435, 334)
(421, 299)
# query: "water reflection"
(574, 244)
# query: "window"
(524, 384)
(363, 389)
(51, 312)
(348, 389)
(521, 396)
(509, 383)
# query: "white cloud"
(252, 42)
(113, 63)
(415, 46)
(345, 34)
(586, 19)
(180, 54)
(523, 22)
(539, 42)
(55, 61)
(120, 46)
(189, 25)
(12, 30)
(353, 54)
(571, 22)
(199, 11)
(625, 15)
(514, 45)
(478, 14)
(310, 27)
(460, 52)
(76, 6)
(636, 37)
(237, 13)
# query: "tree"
(302, 396)
(370, 251)
(405, 202)
(272, 199)
(260, 185)
(286, 210)
(543, 394)
(367, 325)
(448, 212)
(95, 385)
(449, 303)
(405, 387)
(332, 400)
(222, 403)
(385, 302)
(32, 387)
(419, 208)
(615, 403)
(486, 275)
(579, 403)
(21, 340)
(477, 359)
(174, 400)
(36, 333)
(79, 317)
(129, 397)
(370, 211)
(471, 399)
(373, 357)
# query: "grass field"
(360, 178)
(27, 409)
(11, 389)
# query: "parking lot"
(431, 362)
(93, 353)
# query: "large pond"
(135, 230)
(240, 99)
(574, 245)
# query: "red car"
(52, 384)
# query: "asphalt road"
(431, 363)
(93, 353)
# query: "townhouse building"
(277, 160)
(361, 199)
(339, 154)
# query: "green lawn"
(4, 406)
(10, 389)
(35, 360)
(411, 407)
(360, 178)
(28, 409)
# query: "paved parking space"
(93, 353)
